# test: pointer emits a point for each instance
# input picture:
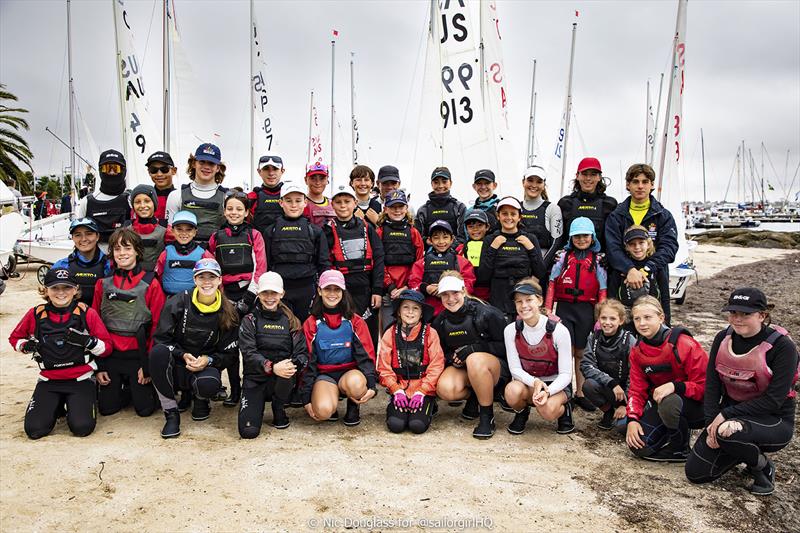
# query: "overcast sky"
(742, 76)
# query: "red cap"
(588, 163)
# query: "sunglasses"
(157, 170)
(273, 161)
(111, 168)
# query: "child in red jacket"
(64, 337)
(667, 384)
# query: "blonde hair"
(611, 303)
(651, 247)
(384, 216)
(218, 177)
(457, 274)
(644, 301)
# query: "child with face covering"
(109, 207)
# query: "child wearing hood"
(577, 283)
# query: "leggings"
(112, 398)
(49, 396)
(169, 376)
(299, 295)
(417, 421)
(668, 423)
(759, 434)
(255, 394)
(599, 395)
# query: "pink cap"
(332, 277)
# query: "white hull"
(46, 250)
(55, 227)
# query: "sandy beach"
(124, 477)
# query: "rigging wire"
(412, 81)
(58, 110)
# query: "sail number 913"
(452, 110)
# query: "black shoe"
(456, 403)
(763, 480)
(517, 426)
(607, 422)
(279, 418)
(201, 409)
(233, 398)
(485, 428)
(186, 401)
(221, 395)
(584, 404)
(470, 410)
(172, 427)
(565, 424)
(434, 407)
(504, 405)
(352, 417)
(668, 454)
(334, 417)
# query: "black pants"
(361, 293)
(299, 295)
(417, 421)
(49, 396)
(124, 373)
(600, 395)
(255, 394)
(758, 435)
(668, 423)
(169, 376)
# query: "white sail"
(671, 193)
(496, 100)
(556, 163)
(316, 152)
(138, 134)
(650, 130)
(264, 131)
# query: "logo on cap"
(62, 274)
(741, 297)
(209, 150)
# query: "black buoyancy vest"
(209, 211)
(458, 333)
(197, 332)
(291, 242)
(273, 335)
(398, 248)
(53, 348)
(109, 214)
(268, 207)
(410, 359)
(535, 222)
(613, 358)
(511, 260)
(234, 253)
(436, 263)
(87, 274)
(442, 210)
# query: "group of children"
(321, 299)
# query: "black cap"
(59, 276)
(388, 173)
(747, 300)
(484, 174)
(477, 214)
(441, 172)
(441, 225)
(525, 288)
(160, 157)
(635, 233)
(112, 156)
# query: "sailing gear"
(351, 249)
(470, 410)
(746, 300)
(476, 327)
(440, 207)
(517, 426)
(540, 360)
(208, 211)
(319, 213)
(485, 428)
(565, 424)
(54, 347)
(266, 207)
(333, 346)
(125, 311)
(296, 248)
(270, 160)
(410, 358)
(577, 281)
(178, 274)
(108, 215)
(398, 244)
(172, 426)
(201, 409)
(595, 206)
(184, 217)
(534, 221)
(147, 190)
(352, 417)
(234, 249)
(85, 222)
(153, 235)
(607, 422)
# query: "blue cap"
(417, 298)
(581, 226)
(396, 197)
(207, 265)
(208, 152)
(85, 222)
(185, 217)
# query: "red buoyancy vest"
(660, 364)
(578, 280)
(539, 360)
(351, 250)
(747, 376)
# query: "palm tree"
(14, 150)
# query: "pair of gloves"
(401, 401)
(74, 337)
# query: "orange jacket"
(427, 383)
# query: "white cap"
(270, 281)
(290, 187)
(535, 170)
(450, 283)
(509, 200)
(344, 189)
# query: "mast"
(569, 107)
(532, 120)
(165, 71)
(310, 127)
(72, 162)
(655, 126)
(763, 198)
(333, 109)
(660, 176)
(353, 124)
(121, 87)
(647, 123)
(252, 101)
(703, 155)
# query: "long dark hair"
(294, 322)
(600, 188)
(228, 317)
(346, 306)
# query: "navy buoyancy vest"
(398, 248)
(108, 214)
(87, 274)
(268, 207)
(334, 347)
(291, 242)
(234, 253)
(436, 263)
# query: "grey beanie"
(149, 190)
